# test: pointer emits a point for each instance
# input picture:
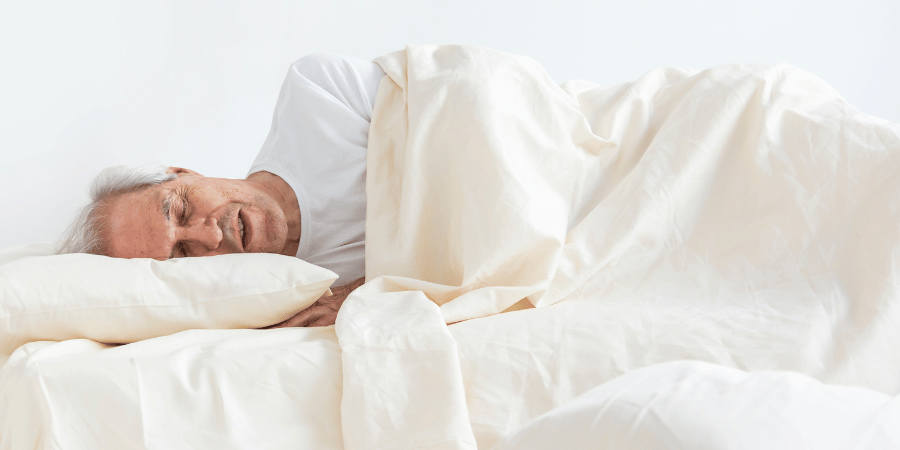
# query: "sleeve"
(350, 81)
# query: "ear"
(180, 171)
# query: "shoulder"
(333, 69)
(353, 81)
(317, 64)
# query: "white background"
(87, 84)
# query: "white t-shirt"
(317, 145)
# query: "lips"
(243, 230)
(241, 227)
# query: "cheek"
(275, 223)
(276, 229)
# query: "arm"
(324, 311)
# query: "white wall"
(93, 83)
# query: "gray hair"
(83, 234)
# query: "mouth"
(242, 230)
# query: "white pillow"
(11, 254)
(115, 300)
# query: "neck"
(284, 196)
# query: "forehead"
(134, 226)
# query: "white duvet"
(744, 216)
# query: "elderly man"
(304, 195)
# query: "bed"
(696, 259)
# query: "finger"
(306, 317)
(303, 318)
(324, 321)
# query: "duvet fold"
(402, 383)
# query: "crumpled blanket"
(745, 215)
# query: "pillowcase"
(114, 300)
(11, 254)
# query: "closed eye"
(179, 251)
(185, 206)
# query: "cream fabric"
(10, 254)
(275, 388)
(474, 160)
(199, 389)
(402, 382)
(693, 405)
(754, 185)
(741, 215)
(125, 300)
(517, 366)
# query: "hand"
(324, 311)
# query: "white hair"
(84, 233)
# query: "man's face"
(193, 215)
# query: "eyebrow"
(167, 203)
(166, 206)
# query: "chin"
(273, 247)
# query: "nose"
(204, 234)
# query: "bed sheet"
(389, 375)
(688, 404)
(519, 365)
(223, 389)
